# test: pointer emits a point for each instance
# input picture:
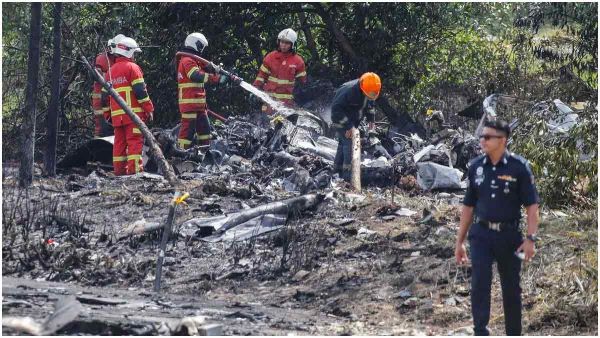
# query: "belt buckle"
(495, 226)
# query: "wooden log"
(139, 227)
(163, 242)
(155, 150)
(355, 178)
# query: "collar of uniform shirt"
(487, 159)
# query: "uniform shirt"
(278, 74)
(127, 80)
(104, 61)
(100, 110)
(349, 105)
(498, 191)
(191, 79)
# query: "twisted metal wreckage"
(299, 155)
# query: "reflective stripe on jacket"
(99, 108)
(128, 80)
(278, 74)
(191, 79)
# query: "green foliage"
(563, 35)
(565, 164)
(464, 58)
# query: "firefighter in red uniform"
(280, 70)
(101, 112)
(127, 79)
(192, 76)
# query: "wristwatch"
(532, 237)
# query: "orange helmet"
(370, 84)
(103, 61)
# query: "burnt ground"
(345, 267)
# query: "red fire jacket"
(128, 80)
(191, 79)
(278, 74)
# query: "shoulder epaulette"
(478, 158)
(518, 158)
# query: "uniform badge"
(507, 178)
(479, 176)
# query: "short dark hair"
(500, 125)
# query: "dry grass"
(561, 285)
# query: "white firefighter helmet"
(196, 41)
(288, 34)
(112, 43)
(126, 47)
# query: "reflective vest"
(127, 79)
(99, 110)
(192, 95)
(278, 74)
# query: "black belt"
(499, 226)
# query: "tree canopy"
(428, 54)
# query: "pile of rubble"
(298, 156)
(268, 226)
(250, 158)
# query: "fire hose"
(204, 62)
